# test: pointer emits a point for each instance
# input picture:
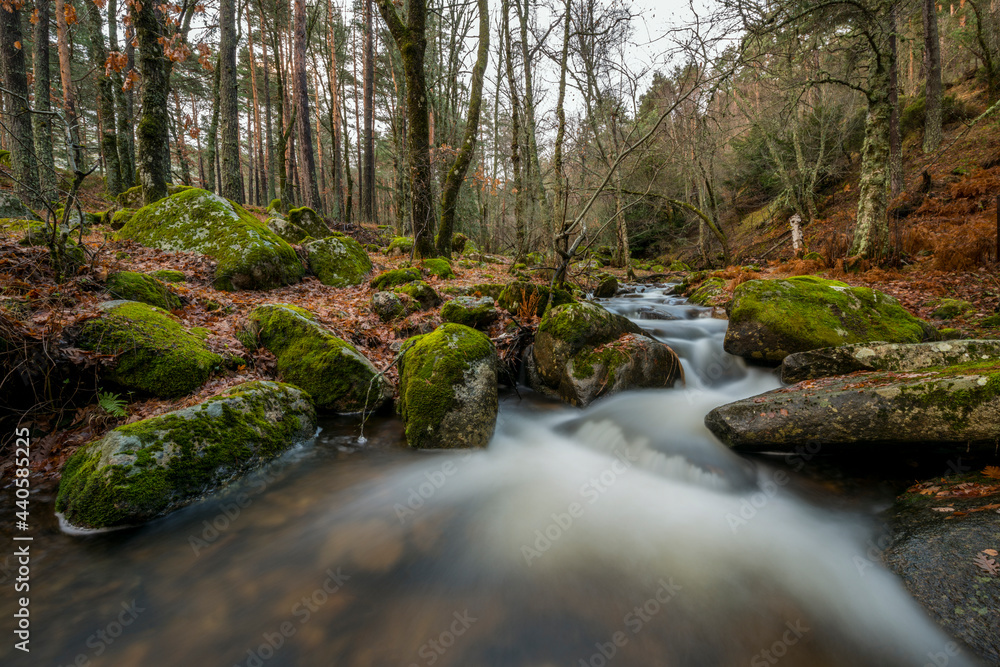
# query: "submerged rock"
(248, 255)
(846, 359)
(448, 388)
(583, 352)
(470, 311)
(155, 354)
(133, 286)
(336, 375)
(934, 553)
(957, 406)
(770, 319)
(144, 470)
(338, 260)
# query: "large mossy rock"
(248, 255)
(144, 470)
(470, 311)
(439, 267)
(448, 388)
(394, 277)
(770, 319)
(933, 553)
(421, 293)
(11, 206)
(133, 286)
(338, 260)
(337, 376)
(155, 354)
(298, 225)
(829, 361)
(400, 245)
(522, 296)
(957, 406)
(583, 352)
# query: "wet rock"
(337, 376)
(933, 553)
(770, 319)
(846, 359)
(144, 470)
(470, 311)
(448, 388)
(583, 352)
(955, 406)
(607, 289)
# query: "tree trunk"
(895, 137)
(229, 120)
(212, 138)
(126, 159)
(22, 144)
(268, 122)
(105, 100)
(368, 173)
(558, 205)
(932, 67)
(310, 189)
(42, 122)
(411, 41)
(515, 140)
(456, 175)
(338, 206)
(152, 156)
(66, 77)
(871, 231)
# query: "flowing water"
(622, 534)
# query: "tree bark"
(126, 158)
(42, 123)
(871, 230)
(22, 144)
(456, 175)
(229, 120)
(66, 77)
(105, 100)
(310, 189)
(368, 172)
(411, 41)
(932, 67)
(152, 150)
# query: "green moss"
(134, 286)
(168, 275)
(430, 367)
(957, 404)
(309, 221)
(493, 290)
(120, 218)
(389, 279)
(420, 292)
(458, 242)
(338, 377)
(704, 294)
(154, 352)
(338, 260)
(401, 243)
(469, 311)
(951, 308)
(439, 267)
(583, 323)
(143, 470)
(131, 198)
(991, 321)
(770, 319)
(275, 206)
(521, 295)
(248, 255)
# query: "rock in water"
(448, 388)
(338, 260)
(770, 319)
(248, 255)
(143, 470)
(952, 406)
(155, 354)
(846, 359)
(337, 376)
(607, 289)
(583, 352)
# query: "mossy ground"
(401, 244)
(430, 367)
(155, 354)
(142, 470)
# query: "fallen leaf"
(984, 562)
(943, 509)
(993, 472)
(990, 552)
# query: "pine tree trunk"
(22, 142)
(42, 123)
(105, 100)
(561, 240)
(268, 122)
(126, 159)
(310, 189)
(212, 139)
(338, 206)
(368, 173)
(66, 77)
(229, 120)
(932, 66)
(151, 132)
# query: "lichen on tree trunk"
(152, 154)
(871, 231)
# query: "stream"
(623, 534)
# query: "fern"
(113, 404)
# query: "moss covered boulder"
(952, 406)
(394, 277)
(439, 267)
(133, 286)
(248, 255)
(583, 352)
(120, 218)
(708, 292)
(298, 225)
(607, 289)
(897, 357)
(337, 376)
(390, 306)
(11, 206)
(144, 470)
(493, 290)
(168, 275)
(522, 297)
(338, 260)
(470, 311)
(770, 319)
(33, 233)
(420, 292)
(400, 245)
(448, 388)
(154, 353)
(947, 309)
